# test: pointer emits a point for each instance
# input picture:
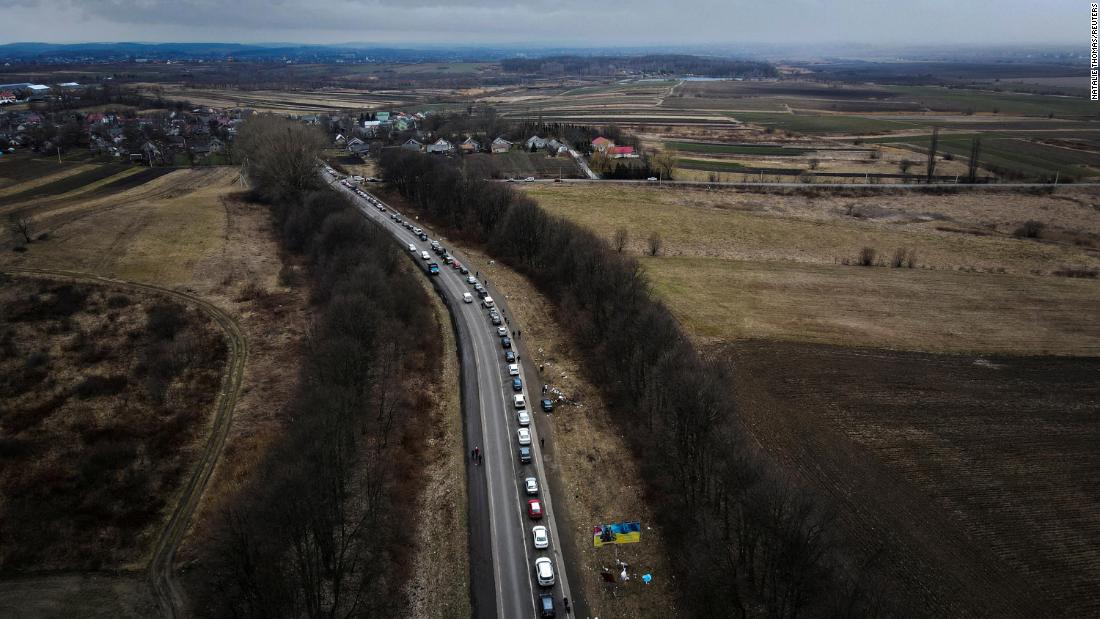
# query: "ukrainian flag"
(617, 533)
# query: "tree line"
(746, 539)
(320, 529)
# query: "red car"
(534, 508)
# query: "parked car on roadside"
(523, 435)
(509, 356)
(544, 571)
(513, 369)
(534, 508)
(523, 418)
(524, 455)
(546, 606)
(519, 401)
(506, 342)
(547, 405)
(517, 384)
(531, 486)
(540, 536)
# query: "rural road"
(502, 556)
(161, 578)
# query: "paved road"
(502, 554)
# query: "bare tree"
(620, 240)
(972, 166)
(932, 154)
(904, 166)
(814, 163)
(22, 225)
(654, 243)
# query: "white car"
(513, 369)
(502, 332)
(519, 401)
(467, 298)
(523, 418)
(412, 248)
(425, 255)
(524, 436)
(529, 179)
(531, 485)
(470, 279)
(487, 302)
(541, 536)
(544, 571)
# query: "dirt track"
(159, 574)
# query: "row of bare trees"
(320, 530)
(746, 539)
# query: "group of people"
(475, 455)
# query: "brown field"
(106, 398)
(963, 476)
(969, 476)
(187, 231)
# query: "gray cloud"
(562, 22)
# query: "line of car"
(540, 534)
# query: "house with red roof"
(622, 152)
(601, 144)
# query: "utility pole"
(59, 155)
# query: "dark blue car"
(505, 342)
(509, 356)
(547, 405)
(517, 384)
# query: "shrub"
(866, 257)
(117, 301)
(96, 386)
(1030, 230)
(164, 320)
(1076, 271)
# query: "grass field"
(521, 164)
(918, 401)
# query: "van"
(467, 298)
(425, 255)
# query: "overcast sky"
(553, 22)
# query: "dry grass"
(909, 309)
(439, 587)
(756, 265)
(583, 446)
(103, 415)
(158, 232)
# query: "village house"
(469, 146)
(535, 143)
(441, 147)
(500, 145)
(601, 144)
(412, 144)
(622, 152)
